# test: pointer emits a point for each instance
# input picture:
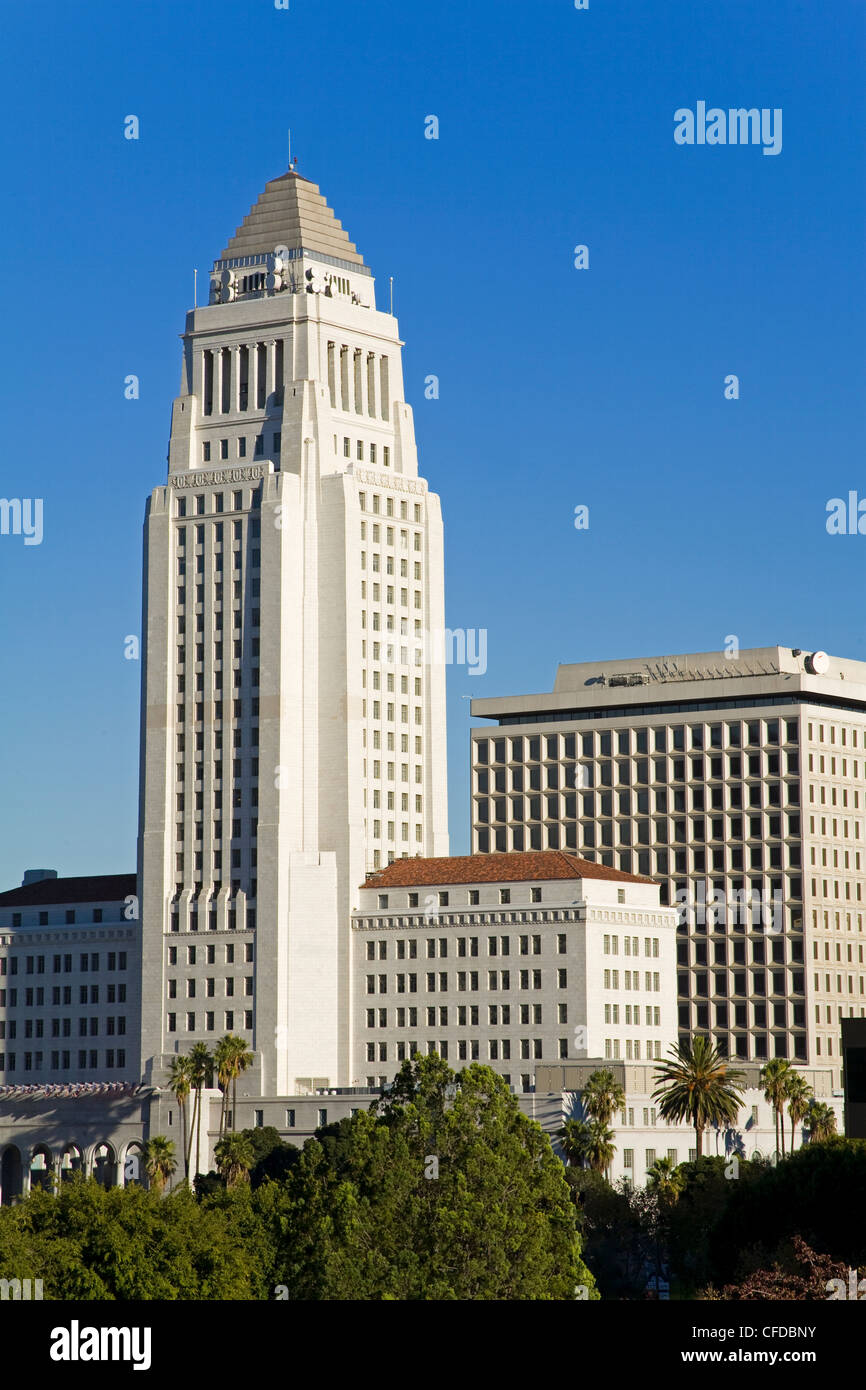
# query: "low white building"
(545, 967)
(70, 980)
(512, 960)
(541, 965)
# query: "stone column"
(253, 377)
(235, 398)
(372, 392)
(271, 346)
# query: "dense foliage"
(445, 1191)
(736, 1227)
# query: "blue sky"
(558, 387)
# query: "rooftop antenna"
(391, 278)
(195, 289)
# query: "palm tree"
(798, 1094)
(588, 1143)
(159, 1161)
(222, 1057)
(774, 1075)
(696, 1085)
(232, 1057)
(573, 1136)
(665, 1178)
(821, 1120)
(200, 1072)
(234, 1156)
(179, 1081)
(602, 1096)
(599, 1146)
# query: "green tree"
(589, 1142)
(233, 1058)
(696, 1085)
(201, 1075)
(665, 1178)
(821, 1120)
(573, 1139)
(811, 1194)
(775, 1075)
(222, 1057)
(234, 1155)
(616, 1242)
(272, 1158)
(798, 1094)
(602, 1096)
(444, 1191)
(96, 1243)
(159, 1161)
(179, 1082)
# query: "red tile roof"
(53, 892)
(532, 866)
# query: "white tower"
(293, 729)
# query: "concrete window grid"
(553, 750)
(204, 859)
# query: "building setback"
(742, 778)
(293, 737)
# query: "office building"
(293, 737)
(738, 783)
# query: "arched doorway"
(105, 1165)
(10, 1175)
(71, 1162)
(41, 1174)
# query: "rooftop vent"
(37, 875)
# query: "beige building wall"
(711, 774)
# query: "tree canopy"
(445, 1191)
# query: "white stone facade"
(512, 962)
(70, 981)
(292, 736)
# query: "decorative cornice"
(396, 481)
(207, 477)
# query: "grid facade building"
(70, 985)
(739, 784)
